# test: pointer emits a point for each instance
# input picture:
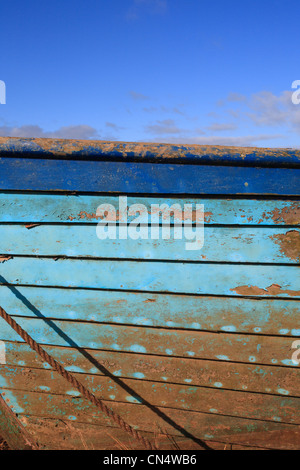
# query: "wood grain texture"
(154, 276)
(37, 174)
(67, 435)
(232, 314)
(176, 422)
(141, 392)
(55, 208)
(196, 345)
(166, 369)
(203, 345)
(241, 245)
(16, 435)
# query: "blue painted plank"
(167, 369)
(232, 314)
(204, 154)
(172, 421)
(186, 397)
(155, 276)
(131, 177)
(16, 207)
(226, 347)
(241, 245)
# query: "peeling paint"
(189, 305)
(290, 215)
(3, 259)
(29, 226)
(272, 290)
(289, 244)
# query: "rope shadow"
(103, 369)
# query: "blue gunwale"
(145, 168)
(37, 174)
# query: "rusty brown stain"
(290, 214)
(29, 226)
(149, 300)
(272, 290)
(207, 217)
(289, 244)
(86, 215)
(4, 258)
(108, 216)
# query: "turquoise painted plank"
(226, 244)
(15, 207)
(172, 421)
(251, 377)
(232, 314)
(143, 340)
(202, 278)
(167, 369)
(187, 397)
(35, 174)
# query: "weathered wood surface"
(55, 208)
(241, 315)
(174, 421)
(16, 435)
(197, 343)
(186, 397)
(164, 342)
(241, 245)
(167, 369)
(144, 178)
(59, 434)
(142, 151)
(154, 276)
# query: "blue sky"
(182, 71)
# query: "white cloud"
(268, 109)
(138, 96)
(167, 126)
(265, 109)
(82, 131)
(219, 127)
(113, 126)
(238, 97)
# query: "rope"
(72, 380)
